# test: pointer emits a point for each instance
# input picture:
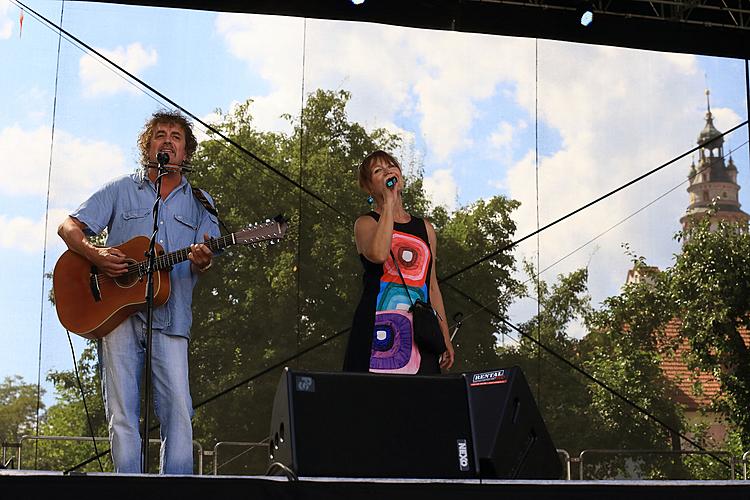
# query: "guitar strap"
(198, 193)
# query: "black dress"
(381, 339)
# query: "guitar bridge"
(94, 284)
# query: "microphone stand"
(162, 159)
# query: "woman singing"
(382, 338)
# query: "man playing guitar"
(124, 207)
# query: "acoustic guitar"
(91, 304)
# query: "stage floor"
(23, 484)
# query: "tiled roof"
(676, 369)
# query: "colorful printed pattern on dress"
(393, 348)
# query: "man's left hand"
(201, 256)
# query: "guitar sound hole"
(130, 278)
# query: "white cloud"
(78, 166)
(441, 188)
(279, 63)
(438, 77)
(612, 114)
(99, 79)
(6, 23)
(27, 235)
(724, 119)
(619, 113)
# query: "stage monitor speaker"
(366, 425)
(511, 439)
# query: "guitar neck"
(168, 260)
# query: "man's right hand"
(111, 261)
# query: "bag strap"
(395, 262)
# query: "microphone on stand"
(391, 182)
(162, 158)
(185, 168)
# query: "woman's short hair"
(169, 117)
(365, 168)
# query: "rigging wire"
(593, 379)
(481, 307)
(587, 205)
(69, 36)
(610, 228)
(299, 200)
(85, 406)
(298, 185)
(249, 448)
(747, 96)
(44, 252)
(538, 236)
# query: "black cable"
(747, 96)
(481, 307)
(587, 205)
(173, 103)
(575, 367)
(299, 186)
(610, 228)
(538, 243)
(85, 406)
(237, 385)
(44, 255)
(299, 198)
(271, 368)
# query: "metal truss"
(707, 13)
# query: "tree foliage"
(68, 417)
(18, 402)
(620, 351)
(709, 286)
(263, 305)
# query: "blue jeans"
(121, 359)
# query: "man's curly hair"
(167, 116)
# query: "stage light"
(584, 12)
(358, 2)
(587, 18)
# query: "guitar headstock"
(270, 231)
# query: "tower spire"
(713, 184)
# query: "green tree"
(470, 232)
(626, 348)
(709, 286)
(264, 304)
(259, 306)
(561, 393)
(18, 401)
(620, 350)
(68, 417)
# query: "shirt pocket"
(186, 221)
(132, 223)
(183, 230)
(136, 214)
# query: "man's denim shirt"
(124, 207)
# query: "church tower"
(713, 187)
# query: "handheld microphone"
(391, 182)
(458, 320)
(162, 158)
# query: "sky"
(551, 124)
